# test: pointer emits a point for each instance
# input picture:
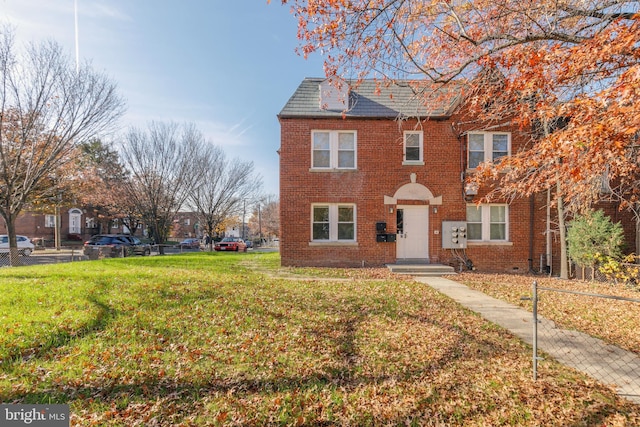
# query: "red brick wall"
(380, 172)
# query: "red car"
(231, 244)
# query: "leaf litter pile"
(228, 339)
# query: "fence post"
(535, 330)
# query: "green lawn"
(232, 339)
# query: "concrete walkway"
(605, 363)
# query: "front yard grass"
(232, 339)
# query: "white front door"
(412, 241)
(75, 215)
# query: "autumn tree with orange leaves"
(46, 109)
(569, 70)
(102, 183)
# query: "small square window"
(413, 146)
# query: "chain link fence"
(603, 361)
(42, 256)
(48, 255)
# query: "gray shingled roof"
(369, 100)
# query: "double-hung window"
(49, 221)
(333, 149)
(487, 147)
(413, 147)
(333, 222)
(488, 223)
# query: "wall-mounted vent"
(334, 95)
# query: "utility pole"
(259, 224)
(244, 211)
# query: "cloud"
(102, 10)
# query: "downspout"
(548, 232)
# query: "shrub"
(593, 238)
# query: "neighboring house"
(75, 224)
(370, 176)
(185, 224)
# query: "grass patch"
(232, 339)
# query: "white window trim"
(333, 150)
(333, 224)
(488, 145)
(420, 161)
(486, 224)
(49, 221)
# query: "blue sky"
(228, 66)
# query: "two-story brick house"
(370, 176)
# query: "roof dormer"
(334, 94)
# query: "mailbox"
(381, 227)
(381, 237)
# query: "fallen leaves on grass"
(616, 322)
(206, 346)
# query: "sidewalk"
(603, 362)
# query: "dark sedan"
(189, 244)
(116, 245)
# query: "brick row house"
(78, 225)
(369, 176)
(75, 225)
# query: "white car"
(25, 247)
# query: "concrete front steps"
(422, 270)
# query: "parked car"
(116, 245)
(249, 243)
(25, 247)
(231, 244)
(189, 244)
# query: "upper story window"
(487, 146)
(333, 150)
(49, 221)
(333, 222)
(488, 223)
(413, 147)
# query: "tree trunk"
(14, 255)
(564, 270)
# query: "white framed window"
(333, 149)
(187, 222)
(413, 147)
(488, 223)
(90, 222)
(333, 222)
(49, 221)
(115, 223)
(487, 147)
